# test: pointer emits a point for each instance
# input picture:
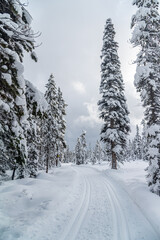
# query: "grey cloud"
(72, 34)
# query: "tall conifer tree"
(112, 106)
(81, 149)
(98, 151)
(146, 35)
(51, 131)
(61, 144)
(36, 108)
(15, 37)
(137, 142)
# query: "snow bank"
(37, 208)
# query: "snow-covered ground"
(81, 203)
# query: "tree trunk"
(13, 173)
(57, 161)
(114, 160)
(47, 160)
(57, 157)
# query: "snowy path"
(74, 203)
(107, 212)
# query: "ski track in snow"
(129, 221)
(76, 221)
(94, 207)
(124, 226)
(120, 227)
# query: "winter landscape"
(80, 124)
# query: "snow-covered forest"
(51, 190)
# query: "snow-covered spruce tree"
(32, 142)
(98, 152)
(112, 106)
(61, 126)
(78, 152)
(89, 153)
(93, 158)
(83, 147)
(50, 127)
(36, 108)
(15, 37)
(146, 36)
(137, 142)
(130, 151)
(67, 155)
(144, 141)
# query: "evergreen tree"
(146, 24)
(67, 155)
(89, 153)
(15, 37)
(93, 157)
(144, 141)
(61, 126)
(112, 106)
(98, 152)
(137, 144)
(78, 152)
(36, 107)
(50, 128)
(130, 154)
(83, 147)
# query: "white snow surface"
(89, 202)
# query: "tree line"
(32, 125)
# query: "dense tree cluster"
(24, 112)
(136, 148)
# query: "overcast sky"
(72, 33)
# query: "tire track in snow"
(74, 225)
(120, 225)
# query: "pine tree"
(144, 141)
(50, 128)
(61, 126)
(36, 107)
(146, 24)
(15, 37)
(129, 150)
(93, 158)
(98, 152)
(78, 152)
(112, 106)
(67, 155)
(137, 144)
(83, 147)
(89, 153)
